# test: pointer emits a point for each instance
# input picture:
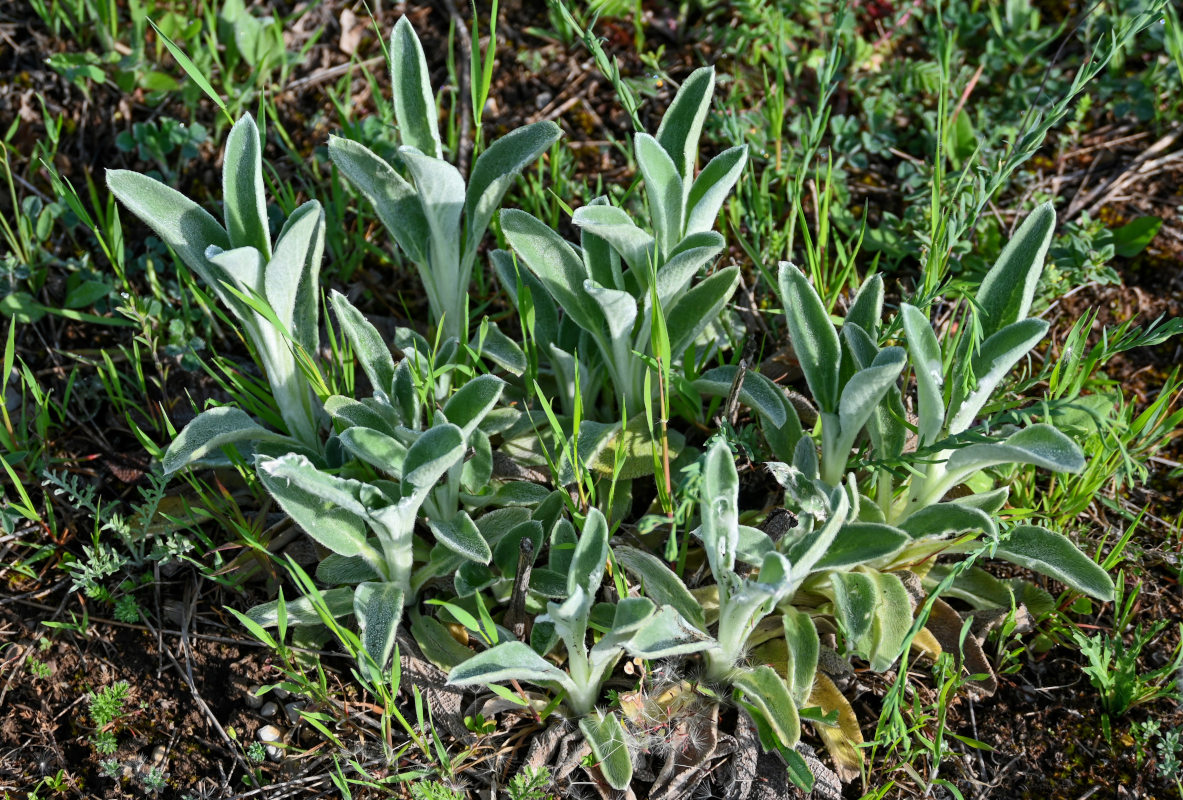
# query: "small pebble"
(269, 709)
(543, 99)
(253, 700)
(280, 693)
(267, 735)
(158, 754)
(292, 710)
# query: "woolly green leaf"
(301, 611)
(711, 187)
(813, 337)
(1052, 554)
(494, 171)
(414, 103)
(367, 343)
(802, 646)
(378, 608)
(993, 361)
(862, 542)
(432, 454)
(460, 535)
(375, 448)
(554, 262)
(699, 307)
(661, 584)
(180, 223)
(617, 228)
(292, 280)
(1041, 445)
(1009, 287)
(688, 257)
(606, 738)
(757, 392)
(591, 555)
(341, 530)
(681, 126)
(867, 307)
(720, 512)
(211, 430)
(663, 184)
(942, 520)
(507, 661)
(469, 404)
(243, 200)
(929, 370)
(765, 690)
(393, 198)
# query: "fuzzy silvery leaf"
(681, 126)
(405, 397)
(179, 222)
(500, 349)
(720, 514)
(591, 555)
(369, 414)
(301, 611)
(663, 184)
(684, 262)
(867, 307)
(990, 502)
(696, 309)
(929, 370)
(661, 584)
(600, 259)
(460, 535)
(941, 520)
(243, 198)
(893, 621)
(414, 103)
(1009, 287)
(393, 198)
(864, 391)
(803, 647)
(860, 543)
(805, 550)
(711, 187)
(335, 570)
(1052, 554)
(1040, 445)
(495, 169)
(292, 280)
(430, 457)
(993, 360)
(620, 312)
(666, 634)
(768, 693)
(471, 402)
(296, 470)
(211, 430)
(507, 661)
(478, 467)
(753, 545)
(383, 452)
(616, 227)
(606, 737)
(366, 342)
(974, 586)
(757, 392)
(378, 608)
(441, 193)
(812, 334)
(553, 261)
(245, 268)
(507, 548)
(855, 599)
